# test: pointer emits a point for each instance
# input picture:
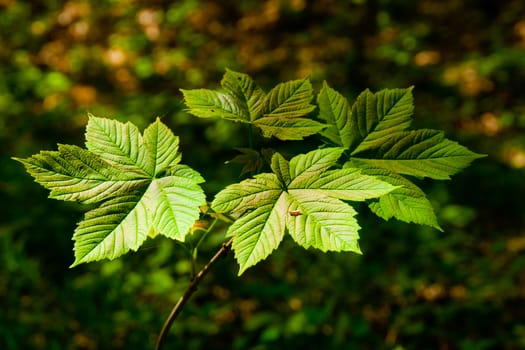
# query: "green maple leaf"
(136, 180)
(374, 132)
(280, 113)
(302, 195)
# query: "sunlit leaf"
(74, 174)
(376, 116)
(377, 142)
(136, 180)
(205, 103)
(161, 147)
(421, 153)
(325, 223)
(305, 166)
(117, 143)
(258, 233)
(246, 90)
(407, 203)
(334, 109)
(248, 194)
(289, 100)
(302, 195)
(347, 184)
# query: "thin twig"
(189, 292)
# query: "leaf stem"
(208, 230)
(195, 250)
(225, 248)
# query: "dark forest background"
(414, 287)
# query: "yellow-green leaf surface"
(303, 197)
(421, 153)
(136, 181)
(407, 203)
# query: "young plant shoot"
(137, 187)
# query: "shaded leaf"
(374, 132)
(281, 168)
(280, 113)
(288, 129)
(253, 160)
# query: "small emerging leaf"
(252, 160)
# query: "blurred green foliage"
(414, 288)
